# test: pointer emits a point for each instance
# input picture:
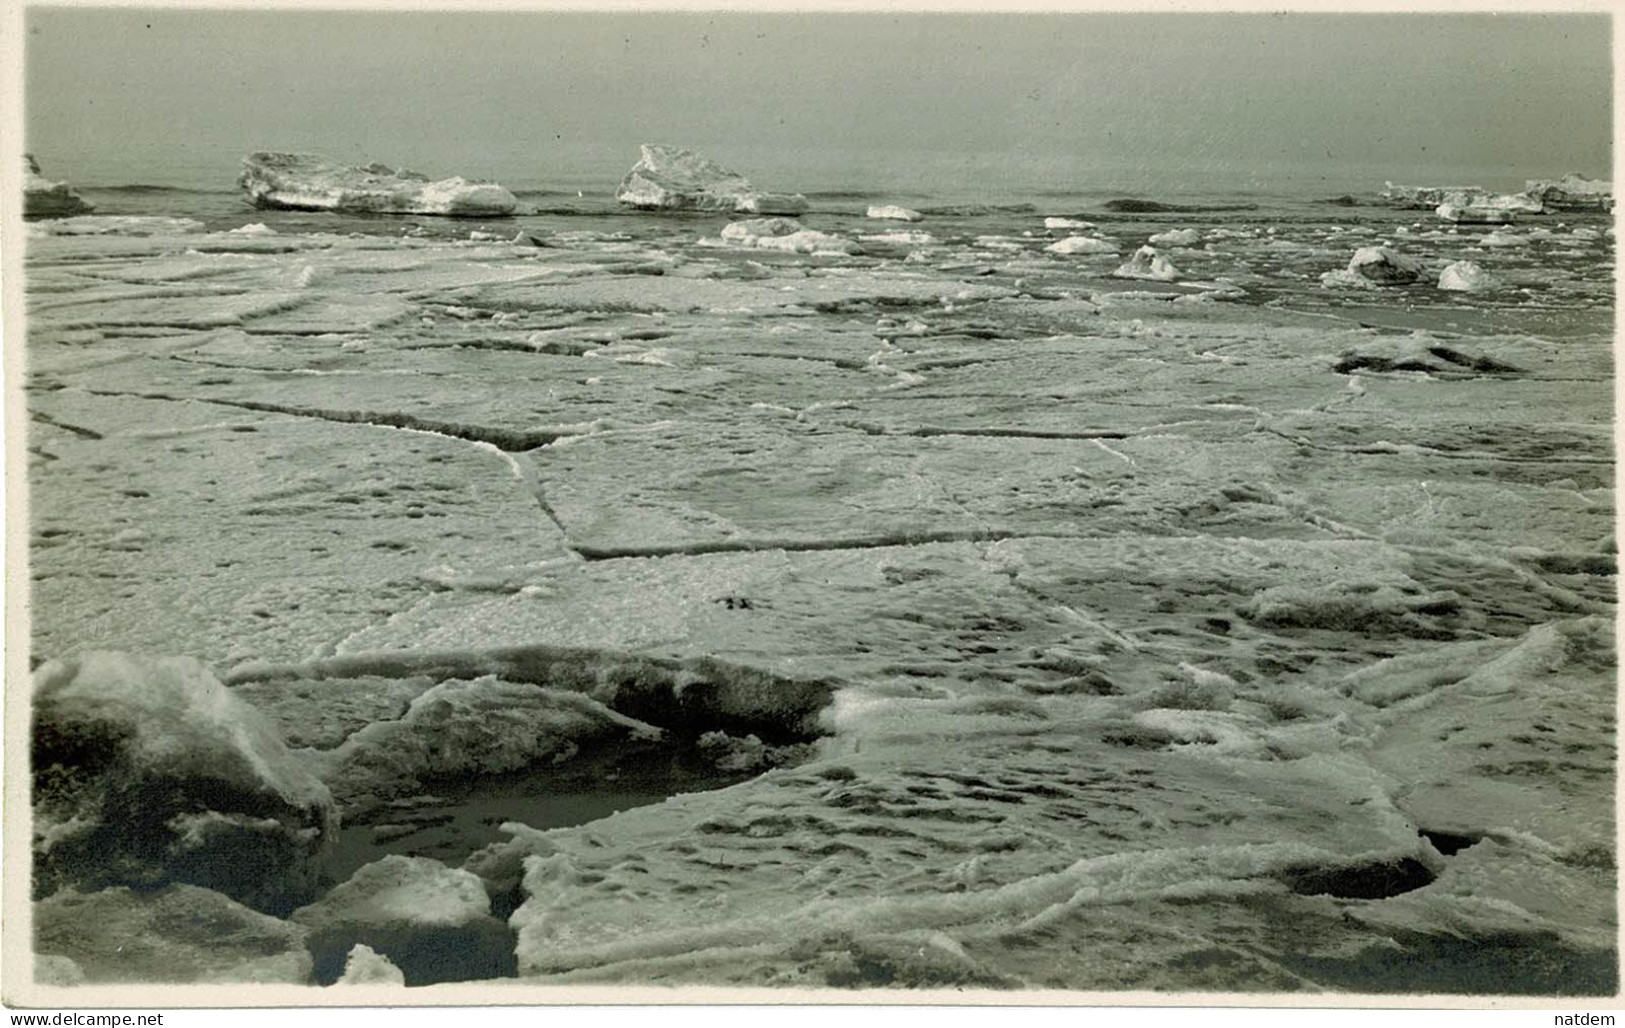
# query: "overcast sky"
(119, 95)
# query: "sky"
(819, 101)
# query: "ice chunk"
(783, 234)
(366, 966)
(191, 784)
(1176, 237)
(484, 726)
(431, 921)
(43, 198)
(1374, 266)
(1467, 277)
(674, 178)
(1148, 264)
(1474, 215)
(1573, 193)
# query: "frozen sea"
(948, 613)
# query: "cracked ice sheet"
(79, 295)
(986, 653)
(242, 272)
(972, 838)
(840, 341)
(1545, 423)
(174, 532)
(761, 479)
(669, 293)
(262, 312)
(1521, 746)
(323, 265)
(100, 254)
(1431, 440)
(1017, 618)
(967, 651)
(998, 843)
(1442, 502)
(1131, 375)
(496, 389)
(1424, 475)
(1513, 745)
(165, 312)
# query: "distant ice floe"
(903, 238)
(308, 182)
(43, 198)
(1067, 223)
(892, 212)
(783, 234)
(1474, 215)
(1176, 237)
(1433, 197)
(1572, 193)
(258, 228)
(997, 243)
(676, 178)
(1081, 245)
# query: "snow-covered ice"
(1240, 633)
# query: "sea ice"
(1176, 237)
(1081, 245)
(176, 934)
(480, 727)
(892, 212)
(1474, 215)
(1573, 193)
(783, 234)
(900, 238)
(1433, 197)
(116, 225)
(1281, 681)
